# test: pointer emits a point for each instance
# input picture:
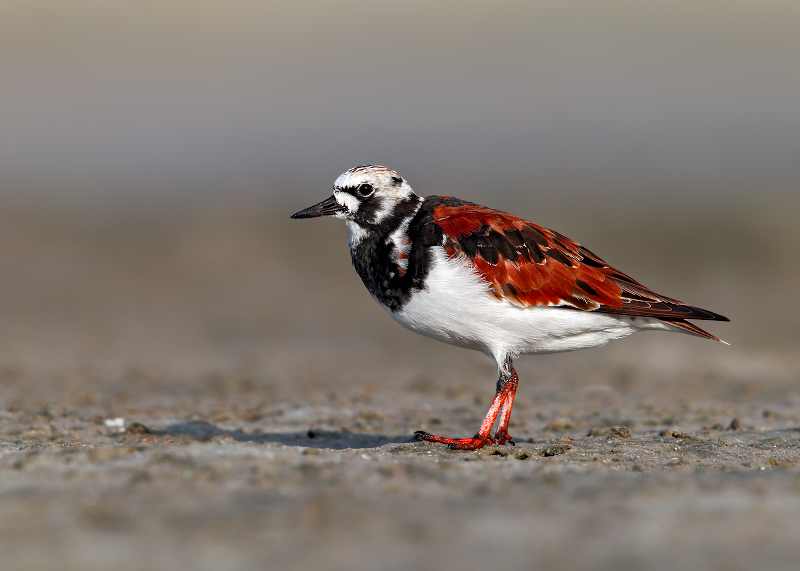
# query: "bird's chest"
(377, 264)
(452, 305)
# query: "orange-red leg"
(501, 407)
(501, 435)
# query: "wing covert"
(529, 266)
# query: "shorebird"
(486, 280)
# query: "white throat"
(357, 233)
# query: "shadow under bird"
(486, 280)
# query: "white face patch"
(386, 209)
(347, 200)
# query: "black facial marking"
(397, 181)
(367, 210)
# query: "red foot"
(460, 443)
(502, 436)
(501, 407)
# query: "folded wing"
(529, 266)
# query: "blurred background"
(151, 153)
(135, 99)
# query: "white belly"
(455, 308)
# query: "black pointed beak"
(327, 207)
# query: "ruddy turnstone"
(486, 280)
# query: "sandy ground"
(215, 390)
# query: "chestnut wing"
(529, 266)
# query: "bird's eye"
(365, 189)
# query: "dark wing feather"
(528, 265)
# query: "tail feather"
(693, 329)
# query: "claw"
(473, 443)
(501, 436)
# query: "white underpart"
(455, 308)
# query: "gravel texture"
(215, 390)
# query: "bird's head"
(365, 197)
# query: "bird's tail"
(693, 329)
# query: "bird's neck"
(380, 254)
